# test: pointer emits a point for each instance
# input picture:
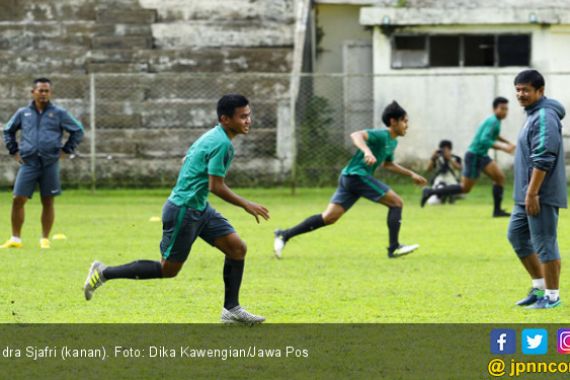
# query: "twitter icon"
(534, 341)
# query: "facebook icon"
(503, 341)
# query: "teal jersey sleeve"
(220, 160)
(375, 136)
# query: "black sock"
(447, 190)
(307, 225)
(233, 273)
(137, 270)
(394, 223)
(497, 197)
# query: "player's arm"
(395, 168)
(75, 129)
(359, 139)
(504, 145)
(532, 201)
(218, 186)
(545, 143)
(10, 136)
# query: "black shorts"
(474, 164)
(181, 226)
(352, 187)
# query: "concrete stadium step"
(169, 114)
(174, 142)
(47, 10)
(123, 30)
(229, 60)
(126, 16)
(34, 62)
(182, 35)
(175, 10)
(122, 42)
(46, 35)
(65, 87)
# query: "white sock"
(552, 294)
(16, 239)
(539, 283)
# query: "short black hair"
(393, 111)
(499, 100)
(41, 80)
(445, 144)
(533, 77)
(228, 103)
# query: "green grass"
(465, 270)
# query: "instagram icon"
(564, 341)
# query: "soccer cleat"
(45, 243)
(501, 214)
(402, 250)
(278, 243)
(545, 303)
(239, 315)
(426, 194)
(11, 244)
(94, 279)
(533, 295)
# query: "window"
(514, 50)
(479, 50)
(409, 52)
(444, 51)
(471, 50)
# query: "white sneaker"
(403, 250)
(278, 243)
(94, 279)
(239, 315)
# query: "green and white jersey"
(486, 136)
(382, 146)
(211, 154)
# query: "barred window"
(469, 50)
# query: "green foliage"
(465, 270)
(320, 154)
(402, 3)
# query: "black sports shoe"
(426, 193)
(533, 296)
(501, 214)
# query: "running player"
(477, 160)
(375, 147)
(187, 214)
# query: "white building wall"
(450, 103)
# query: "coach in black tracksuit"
(41, 126)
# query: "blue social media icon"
(503, 341)
(534, 341)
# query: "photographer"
(446, 168)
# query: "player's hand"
(256, 210)
(369, 159)
(419, 180)
(18, 158)
(532, 204)
(511, 148)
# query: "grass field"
(464, 271)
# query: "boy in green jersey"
(477, 159)
(375, 147)
(187, 215)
